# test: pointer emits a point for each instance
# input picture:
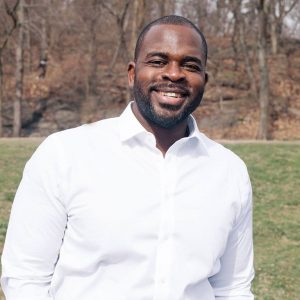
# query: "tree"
(138, 18)
(122, 23)
(92, 49)
(11, 12)
(166, 7)
(279, 9)
(262, 9)
(19, 70)
(238, 37)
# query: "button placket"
(164, 258)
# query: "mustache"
(181, 88)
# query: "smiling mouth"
(170, 100)
(170, 90)
(171, 94)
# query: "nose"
(173, 72)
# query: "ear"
(131, 73)
(206, 78)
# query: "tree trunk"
(44, 50)
(27, 40)
(274, 39)
(1, 95)
(12, 15)
(248, 64)
(92, 76)
(162, 7)
(19, 71)
(278, 11)
(90, 104)
(263, 130)
(273, 28)
(122, 22)
(236, 4)
(29, 67)
(138, 16)
(239, 33)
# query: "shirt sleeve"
(233, 281)
(36, 227)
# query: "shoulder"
(69, 144)
(76, 138)
(222, 155)
(226, 161)
(86, 131)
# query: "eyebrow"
(165, 56)
(192, 59)
(157, 53)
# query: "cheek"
(197, 84)
(144, 81)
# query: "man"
(142, 206)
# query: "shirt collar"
(130, 127)
(197, 135)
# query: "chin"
(166, 118)
(162, 114)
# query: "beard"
(147, 109)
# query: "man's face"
(168, 78)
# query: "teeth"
(170, 94)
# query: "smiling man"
(168, 79)
(142, 206)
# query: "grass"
(275, 174)
(13, 155)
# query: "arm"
(36, 228)
(233, 282)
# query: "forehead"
(172, 39)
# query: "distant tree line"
(100, 35)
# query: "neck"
(165, 137)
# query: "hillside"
(228, 110)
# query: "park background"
(64, 63)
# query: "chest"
(126, 204)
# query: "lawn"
(275, 174)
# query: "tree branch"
(12, 13)
(291, 7)
(110, 10)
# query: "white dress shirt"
(101, 214)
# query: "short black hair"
(172, 20)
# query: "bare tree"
(122, 22)
(87, 44)
(279, 9)
(36, 15)
(19, 71)
(166, 7)
(93, 14)
(262, 9)
(11, 12)
(44, 50)
(238, 37)
(138, 18)
(92, 49)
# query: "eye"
(156, 62)
(192, 67)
